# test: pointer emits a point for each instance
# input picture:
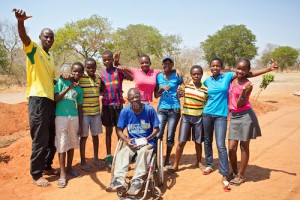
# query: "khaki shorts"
(66, 137)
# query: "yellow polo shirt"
(40, 71)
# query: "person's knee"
(181, 144)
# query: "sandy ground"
(273, 171)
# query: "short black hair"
(79, 64)
(196, 67)
(218, 59)
(246, 60)
(89, 59)
(109, 53)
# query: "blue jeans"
(219, 124)
(170, 116)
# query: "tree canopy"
(83, 38)
(285, 56)
(138, 39)
(229, 44)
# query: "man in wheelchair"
(142, 126)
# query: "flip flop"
(41, 182)
(85, 167)
(74, 173)
(226, 186)
(62, 183)
(207, 171)
(238, 180)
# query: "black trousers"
(41, 111)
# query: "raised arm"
(274, 66)
(21, 17)
(245, 94)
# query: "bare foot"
(41, 182)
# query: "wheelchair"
(155, 176)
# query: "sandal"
(207, 171)
(62, 183)
(238, 180)
(226, 186)
(41, 182)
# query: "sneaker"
(115, 185)
(135, 186)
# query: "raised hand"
(117, 57)
(274, 65)
(73, 85)
(20, 14)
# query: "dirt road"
(273, 171)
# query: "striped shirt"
(112, 93)
(91, 104)
(194, 99)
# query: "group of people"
(72, 107)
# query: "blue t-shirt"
(217, 102)
(139, 125)
(169, 99)
(67, 106)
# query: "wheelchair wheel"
(120, 145)
(156, 193)
(160, 165)
(121, 193)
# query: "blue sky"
(272, 21)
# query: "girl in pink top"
(243, 121)
(145, 78)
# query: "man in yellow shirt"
(40, 95)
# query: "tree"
(285, 56)
(138, 39)
(229, 44)
(12, 57)
(81, 39)
(266, 55)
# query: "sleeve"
(80, 96)
(58, 86)
(29, 48)
(180, 80)
(122, 122)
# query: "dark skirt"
(243, 126)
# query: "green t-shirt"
(67, 106)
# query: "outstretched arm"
(21, 17)
(273, 66)
(125, 70)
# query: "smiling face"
(77, 71)
(215, 67)
(108, 60)
(47, 39)
(145, 63)
(167, 65)
(134, 98)
(242, 68)
(90, 68)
